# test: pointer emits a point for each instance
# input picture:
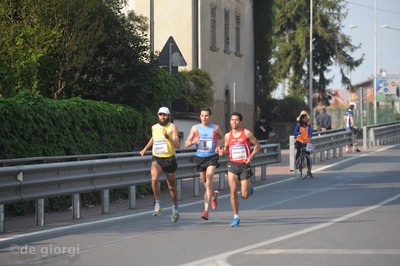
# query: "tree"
(45, 43)
(291, 39)
(26, 47)
(263, 25)
(74, 48)
(197, 89)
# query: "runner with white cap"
(164, 140)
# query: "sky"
(361, 14)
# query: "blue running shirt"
(208, 140)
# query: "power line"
(378, 9)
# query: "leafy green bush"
(34, 126)
(197, 89)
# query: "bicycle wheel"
(301, 168)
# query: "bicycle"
(301, 162)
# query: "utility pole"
(310, 85)
(375, 48)
(151, 29)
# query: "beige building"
(214, 35)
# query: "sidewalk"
(275, 172)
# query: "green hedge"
(33, 126)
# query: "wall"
(184, 124)
(229, 69)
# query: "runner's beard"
(163, 123)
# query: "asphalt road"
(349, 214)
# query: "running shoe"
(251, 190)
(175, 216)
(235, 222)
(214, 201)
(204, 216)
(310, 174)
(157, 210)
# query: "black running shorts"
(242, 170)
(169, 165)
(204, 162)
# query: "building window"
(237, 33)
(226, 32)
(213, 46)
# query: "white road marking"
(224, 256)
(325, 251)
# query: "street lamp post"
(351, 27)
(152, 28)
(398, 29)
(375, 48)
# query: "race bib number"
(204, 145)
(160, 147)
(238, 152)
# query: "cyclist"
(303, 133)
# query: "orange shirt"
(303, 133)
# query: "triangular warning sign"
(171, 49)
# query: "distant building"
(340, 98)
(388, 102)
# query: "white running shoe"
(175, 216)
(157, 210)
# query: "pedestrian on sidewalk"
(262, 128)
(206, 136)
(164, 141)
(237, 144)
(324, 121)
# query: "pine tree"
(330, 46)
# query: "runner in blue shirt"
(206, 136)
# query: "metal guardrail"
(38, 181)
(66, 158)
(74, 158)
(377, 135)
(332, 141)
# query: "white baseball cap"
(164, 110)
